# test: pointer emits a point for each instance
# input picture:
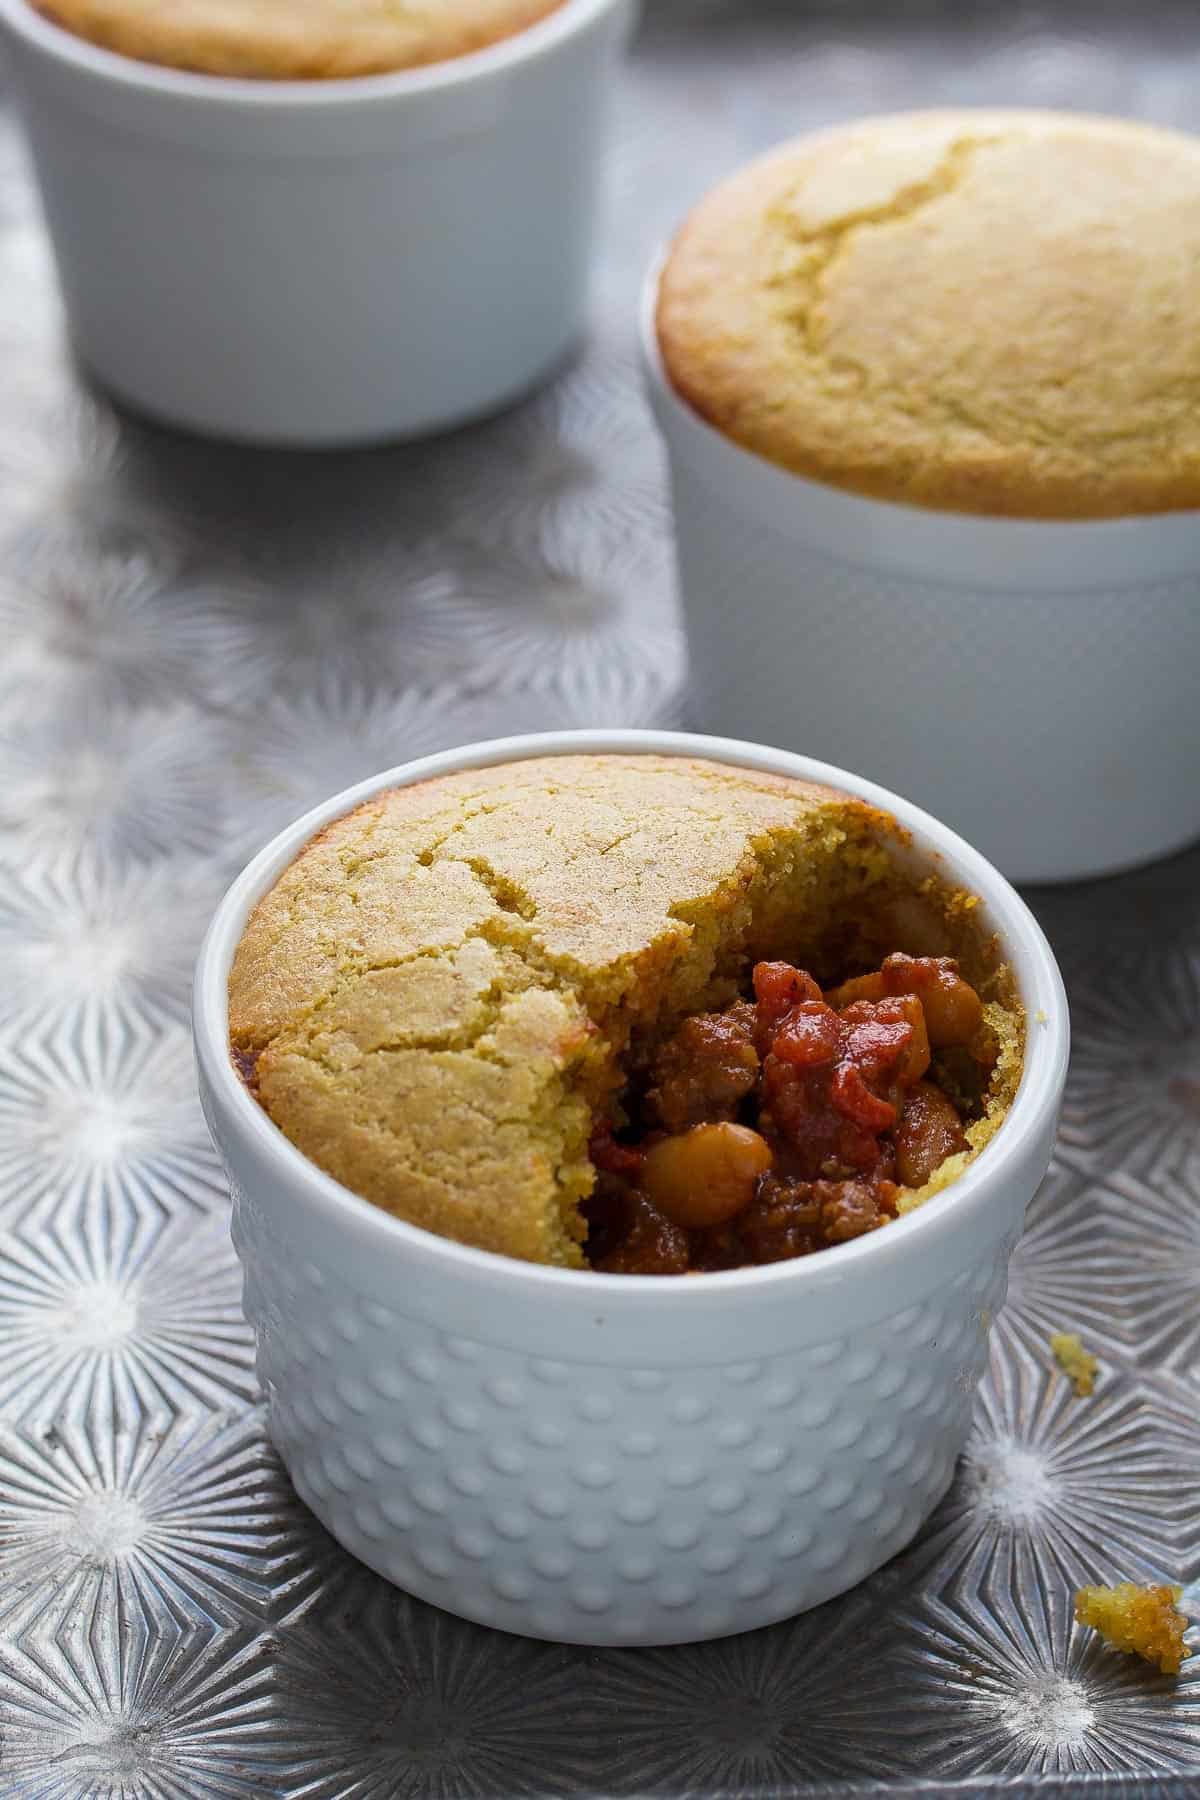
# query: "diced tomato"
(809, 1035)
(614, 1158)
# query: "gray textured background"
(197, 643)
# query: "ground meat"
(794, 1218)
(628, 1236)
(801, 1112)
(704, 1072)
(850, 1209)
(784, 1221)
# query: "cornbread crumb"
(278, 40)
(985, 311)
(1076, 1363)
(436, 1000)
(1142, 1621)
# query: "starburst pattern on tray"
(1021, 1687)
(102, 787)
(582, 623)
(770, 1711)
(1133, 1096)
(418, 1703)
(108, 617)
(349, 612)
(159, 1709)
(578, 464)
(121, 1311)
(1102, 1483)
(90, 947)
(106, 1118)
(1155, 1247)
(62, 451)
(1066, 1273)
(194, 1520)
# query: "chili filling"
(788, 1122)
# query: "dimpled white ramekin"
(322, 262)
(1033, 684)
(622, 1460)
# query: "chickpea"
(929, 1131)
(705, 1176)
(953, 1010)
(860, 987)
(914, 1059)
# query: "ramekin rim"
(250, 93)
(1025, 945)
(665, 395)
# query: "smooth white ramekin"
(1033, 684)
(609, 1459)
(322, 262)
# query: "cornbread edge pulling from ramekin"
(277, 41)
(434, 1000)
(985, 311)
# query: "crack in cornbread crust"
(279, 40)
(436, 997)
(991, 312)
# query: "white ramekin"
(1034, 684)
(622, 1460)
(318, 263)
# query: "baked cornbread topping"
(277, 40)
(460, 999)
(982, 311)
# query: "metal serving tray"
(196, 643)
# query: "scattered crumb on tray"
(1076, 1363)
(1143, 1621)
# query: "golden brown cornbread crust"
(981, 311)
(280, 40)
(433, 1000)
